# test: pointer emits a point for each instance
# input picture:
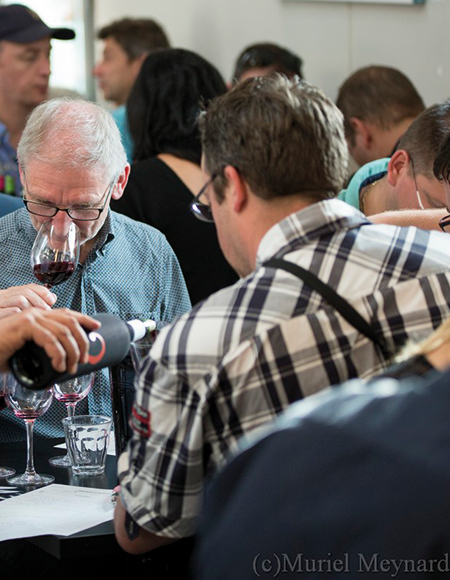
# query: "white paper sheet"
(55, 509)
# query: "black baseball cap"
(20, 24)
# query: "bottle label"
(97, 348)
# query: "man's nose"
(44, 66)
(61, 222)
(97, 70)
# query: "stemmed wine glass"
(70, 392)
(28, 405)
(55, 252)
(4, 471)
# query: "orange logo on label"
(97, 348)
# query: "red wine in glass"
(27, 405)
(51, 273)
(55, 252)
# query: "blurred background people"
(264, 58)
(379, 103)
(405, 180)
(25, 44)
(126, 43)
(162, 110)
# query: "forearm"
(133, 538)
(426, 219)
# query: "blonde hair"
(437, 339)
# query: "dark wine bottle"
(108, 346)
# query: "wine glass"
(4, 471)
(55, 252)
(70, 392)
(28, 405)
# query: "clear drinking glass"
(28, 405)
(140, 349)
(70, 392)
(55, 252)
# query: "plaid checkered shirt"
(239, 358)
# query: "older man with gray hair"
(72, 162)
(274, 159)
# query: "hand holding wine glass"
(55, 252)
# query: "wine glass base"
(24, 479)
(60, 461)
(6, 472)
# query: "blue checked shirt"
(238, 359)
(132, 273)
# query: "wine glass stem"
(30, 471)
(70, 409)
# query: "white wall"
(333, 39)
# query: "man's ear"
(398, 166)
(238, 189)
(121, 182)
(363, 132)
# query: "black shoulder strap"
(342, 306)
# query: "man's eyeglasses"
(85, 214)
(202, 211)
(444, 223)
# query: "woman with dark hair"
(162, 113)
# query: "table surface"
(68, 557)
(97, 540)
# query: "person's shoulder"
(152, 166)
(137, 230)
(372, 170)
(209, 328)
(12, 223)
(143, 240)
(119, 114)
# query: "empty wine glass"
(70, 392)
(55, 252)
(4, 471)
(28, 405)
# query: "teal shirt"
(120, 117)
(351, 194)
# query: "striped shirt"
(238, 359)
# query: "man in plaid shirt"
(274, 158)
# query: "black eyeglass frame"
(444, 223)
(108, 192)
(202, 211)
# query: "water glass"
(87, 438)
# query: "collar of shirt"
(313, 222)
(105, 235)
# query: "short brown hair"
(284, 136)
(137, 36)
(425, 135)
(441, 168)
(379, 94)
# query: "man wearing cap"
(24, 77)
